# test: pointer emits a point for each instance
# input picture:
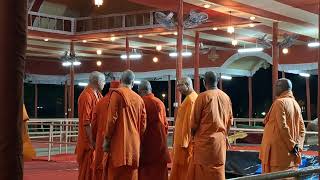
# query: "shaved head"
(97, 80)
(211, 79)
(283, 85)
(187, 81)
(127, 77)
(144, 88)
(185, 86)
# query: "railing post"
(151, 18)
(123, 21)
(67, 136)
(60, 140)
(50, 141)
(73, 25)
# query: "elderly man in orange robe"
(98, 129)
(126, 123)
(28, 152)
(284, 131)
(211, 121)
(86, 104)
(182, 149)
(154, 149)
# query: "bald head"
(185, 86)
(144, 88)
(211, 79)
(97, 80)
(127, 78)
(283, 85)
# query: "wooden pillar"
(308, 98)
(196, 63)
(66, 99)
(36, 101)
(128, 53)
(13, 43)
(250, 98)
(179, 50)
(169, 96)
(71, 88)
(283, 74)
(275, 56)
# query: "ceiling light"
(214, 28)
(175, 33)
(304, 74)
(66, 63)
(230, 29)
(113, 38)
(285, 50)
(252, 18)
(226, 77)
(163, 95)
(184, 54)
(206, 5)
(99, 51)
(140, 36)
(245, 50)
(251, 25)
(98, 2)
(234, 42)
(131, 56)
(83, 84)
(155, 59)
(76, 63)
(314, 44)
(158, 47)
(263, 113)
(137, 82)
(46, 39)
(99, 63)
(84, 41)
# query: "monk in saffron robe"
(211, 121)
(284, 131)
(28, 152)
(126, 123)
(154, 150)
(182, 149)
(98, 129)
(86, 104)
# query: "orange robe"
(154, 149)
(84, 150)
(126, 123)
(211, 121)
(284, 127)
(28, 151)
(182, 136)
(98, 131)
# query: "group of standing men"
(123, 136)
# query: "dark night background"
(51, 97)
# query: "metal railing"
(283, 174)
(95, 24)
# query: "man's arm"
(86, 111)
(302, 131)
(143, 120)
(282, 124)
(196, 116)
(186, 127)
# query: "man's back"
(126, 124)
(285, 125)
(212, 118)
(154, 144)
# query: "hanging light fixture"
(234, 42)
(285, 50)
(158, 47)
(133, 55)
(98, 2)
(248, 50)
(230, 28)
(184, 54)
(69, 59)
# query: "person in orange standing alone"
(284, 131)
(86, 104)
(182, 134)
(126, 123)
(98, 129)
(28, 151)
(154, 149)
(211, 121)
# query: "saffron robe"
(182, 148)
(28, 151)
(126, 123)
(154, 149)
(84, 150)
(211, 121)
(284, 127)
